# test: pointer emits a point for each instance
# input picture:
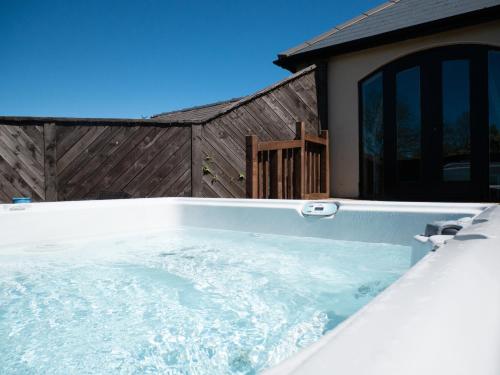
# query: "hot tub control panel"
(320, 208)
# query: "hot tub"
(175, 285)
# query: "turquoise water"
(184, 301)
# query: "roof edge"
(338, 28)
(427, 28)
(186, 109)
(91, 120)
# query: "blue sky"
(133, 58)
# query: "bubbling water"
(181, 301)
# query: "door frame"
(432, 187)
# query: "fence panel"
(124, 162)
(88, 160)
(22, 161)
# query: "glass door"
(429, 128)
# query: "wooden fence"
(82, 160)
(271, 114)
(51, 159)
(294, 169)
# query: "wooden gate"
(294, 169)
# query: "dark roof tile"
(390, 16)
(195, 114)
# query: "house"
(412, 99)
(409, 93)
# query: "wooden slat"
(149, 163)
(260, 177)
(292, 103)
(99, 170)
(23, 165)
(196, 160)
(83, 164)
(35, 132)
(22, 151)
(284, 169)
(310, 169)
(164, 182)
(278, 145)
(325, 170)
(276, 174)
(266, 118)
(131, 161)
(174, 176)
(138, 158)
(316, 171)
(240, 119)
(315, 139)
(252, 171)
(184, 180)
(225, 168)
(49, 135)
(293, 153)
(265, 174)
(306, 94)
(225, 149)
(68, 135)
(299, 165)
(316, 196)
(79, 147)
(26, 143)
(11, 184)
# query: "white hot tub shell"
(440, 317)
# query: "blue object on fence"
(21, 200)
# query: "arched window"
(430, 126)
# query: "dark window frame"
(431, 109)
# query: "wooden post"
(50, 164)
(299, 180)
(252, 168)
(196, 161)
(292, 155)
(325, 165)
(265, 175)
(276, 174)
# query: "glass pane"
(373, 137)
(408, 124)
(494, 122)
(456, 121)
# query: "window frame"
(430, 110)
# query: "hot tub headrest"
(449, 227)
